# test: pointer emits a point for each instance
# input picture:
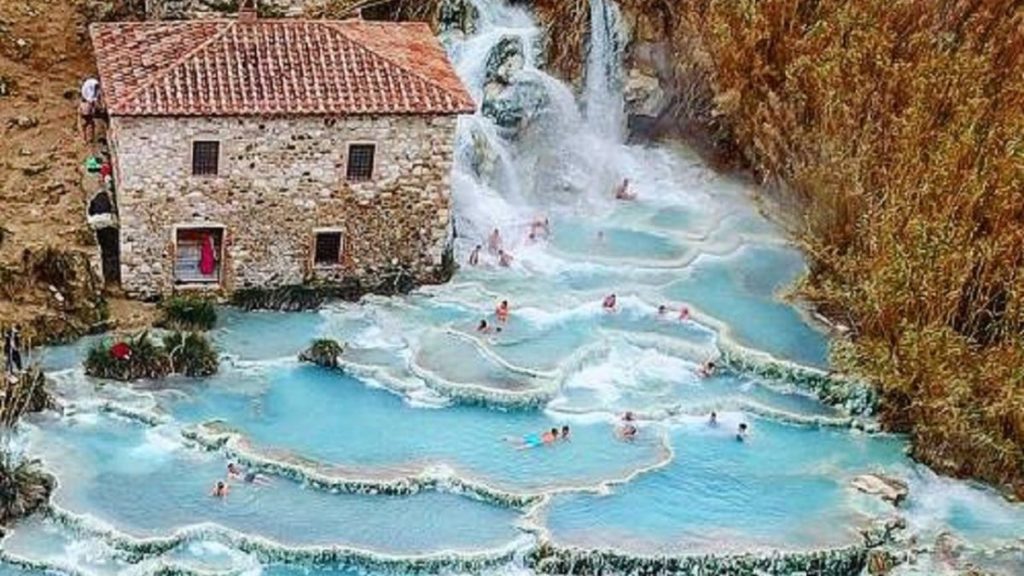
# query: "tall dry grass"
(898, 125)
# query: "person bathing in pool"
(534, 440)
(220, 489)
(627, 430)
(502, 311)
(609, 303)
(249, 477)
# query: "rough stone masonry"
(280, 179)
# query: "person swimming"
(684, 313)
(474, 256)
(220, 490)
(713, 420)
(494, 241)
(609, 302)
(741, 432)
(502, 311)
(483, 327)
(504, 259)
(534, 440)
(662, 310)
(565, 433)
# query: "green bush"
(147, 360)
(323, 352)
(191, 354)
(24, 487)
(188, 313)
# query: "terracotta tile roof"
(275, 67)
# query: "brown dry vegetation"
(899, 127)
(896, 129)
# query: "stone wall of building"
(279, 179)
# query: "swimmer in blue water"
(534, 440)
(713, 420)
(220, 490)
(741, 432)
(627, 430)
(248, 476)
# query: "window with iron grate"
(205, 157)
(328, 249)
(360, 162)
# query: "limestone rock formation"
(511, 99)
(892, 490)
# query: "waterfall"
(551, 148)
(603, 92)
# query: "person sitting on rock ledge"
(707, 369)
(609, 303)
(248, 476)
(622, 192)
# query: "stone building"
(253, 152)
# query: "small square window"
(328, 249)
(205, 157)
(360, 162)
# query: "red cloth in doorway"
(207, 264)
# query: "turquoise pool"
(407, 460)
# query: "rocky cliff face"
(667, 90)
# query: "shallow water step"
(337, 419)
(143, 482)
(784, 488)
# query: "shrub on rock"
(323, 352)
(191, 354)
(24, 487)
(188, 313)
(128, 359)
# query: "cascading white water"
(568, 156)
(361, 476)
(603, 94)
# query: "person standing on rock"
(494, 243)
(12, 350)
(88, 107)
